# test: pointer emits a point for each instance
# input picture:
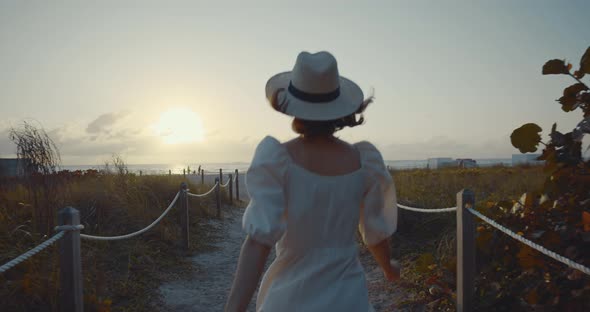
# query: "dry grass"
(118, 275)
(124, 275)
(426, 242)
(438, 189)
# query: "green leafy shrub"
(514, 277)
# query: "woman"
(309, 196)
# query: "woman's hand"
(381, 252)
(394, 272)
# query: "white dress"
(313, 221)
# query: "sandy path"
(209, 286)
(207, 289)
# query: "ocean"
(243, 166)
(172, 168)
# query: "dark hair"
(322, 127)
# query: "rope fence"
(204, 194)
(466, 247)
(188, 171)
(147, 228)
(425, 210)
(541, 249)
(10, 264)
(68, 231)
(216, 171)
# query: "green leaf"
(555, 67)
(526, 138)
(569, 100)
(568, 103)
(585, 62)
(574, 89)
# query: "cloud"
(95, 141)
(104, 122)
(136, 142)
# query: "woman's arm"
(381, 252)
(250, 266)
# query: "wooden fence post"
(169, 172)
(202, 176)
(237, 186)
(184, 215)
(465, 251)
(230, 184)
(183, 173)
(220, 176)
(217, 199)
(71, 293)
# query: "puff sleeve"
(264, 218)
(378, 217)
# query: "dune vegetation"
(124, 275)
(512, 276)
(119, 275)
(553, 212)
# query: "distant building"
(440, 162)
(521, 159)
(11, 167)
(466, 163)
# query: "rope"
(68, 227)
(31, 252)
(226, 184)
(204, 194)
(108, 238)
(427, 210)
(527, 242)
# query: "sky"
(183, 81)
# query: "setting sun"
(179, 125)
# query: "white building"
(531, 159)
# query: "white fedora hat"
(314, 90)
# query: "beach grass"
(426, 242)
(124, 275)
(118, 275)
